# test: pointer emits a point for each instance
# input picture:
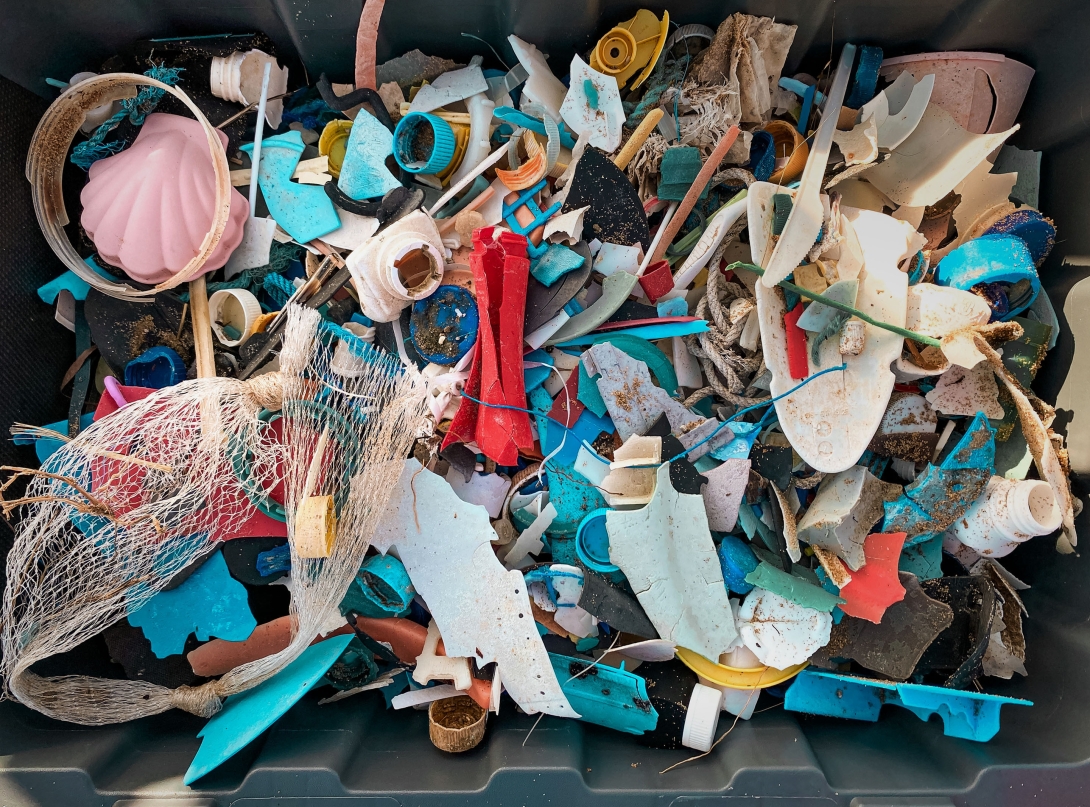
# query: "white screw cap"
(701, 718)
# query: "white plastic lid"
(701, 718)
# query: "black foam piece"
(616, 212)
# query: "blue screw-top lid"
(409, 129)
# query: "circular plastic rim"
(589, 560)
(736, 677)
(443, 143)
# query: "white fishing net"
(146, 491)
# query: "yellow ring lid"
(737, 677)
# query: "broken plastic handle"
(807, 215)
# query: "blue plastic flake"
(866, 77)
(557, 261)
(246, 715)
(364, 174)
(274, 561)
(156, 367)
(736, 559)
(209, 603)
(674, 307)
(534, 377)
(380, 590)
(745, 435)
(606, 696)
(992, 258)
(305, 212)
(444, 326)
(805, 108)
(663, 330)
(967, 715)
(589, 395)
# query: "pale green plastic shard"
(615, 290)
(792, 588)
(818, 316)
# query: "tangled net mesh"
(116, 512)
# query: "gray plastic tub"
(358, 751)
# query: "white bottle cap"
(235, 307)
(701, 718)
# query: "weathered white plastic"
(238, 78)
(898, 108)
(480, 108)
(542, 86)
(600, 120)
(831, 420)
(709, 242)
(804, 222)
(100, 114)
(701, 718)
(379, 282)
(1006, 514)
(238, 308)
(938, 310)
(347, 364)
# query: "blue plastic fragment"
(736, 560)
(865, 84)
(745, 435)
(592, 542)
(304, 212)
(762, 152)
(805, 108)
(662, 330)
(246, 715)
(526, 198)
(923, 559)
(674, 307)
(992, 258)
(534, 377)
(588, 643)
(381, 589)
(45, 446)
(364, 174)
(967, 715)
(450, 313)
(517, 119)
(209, 603)
(797, 87)
(557, 261)
(589, 394)
(606, 696)
(156, 367)
(274, 561)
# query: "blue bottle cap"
(592, 542)
(443, 327)
(412, 150)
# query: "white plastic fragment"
(938, 310)
(529, 542)
(631, 479)
(709, 242)
(418, 697)
(724, 493)
(482, 610)
(566, 228)
(779, 632)
(860, 144)
(898, 108)
(966, 392)
(542, 87)
(253, 250)
(1007, 513)
(665, 550)
(613, 258)
(981, 192)
(432, 667)
(591, 465)
(569, 587)
(353, 232)
(487, 490)
(449, 88)
(595, 111)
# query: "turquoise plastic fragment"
(674, 307)
(589, 643)
(364, 174)
(663, 330)
(589, 395)
(209, 603)
(745, 435)
(923, 559)
(516, 119)
(805, 108)
(993, 258)
(736, 559)
(967, 715)
(591, 92)
(72, 282)
(45, 446)
(592, 542)
(534, 377)
(246, 715)
(381, 589)
(557, 261)
(790, 587)
(303, 211)
(865, 83)
(606, 696)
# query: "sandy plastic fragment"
(542, 87)
(482, 610)
(831, 420)
(897, 110)
(860, 145)
(938, 310)
(449, 88)
(595, 112)
(966, 392)
(665, 550)
(430, 666)
(779, 632)
(780, 258)
(935, 158)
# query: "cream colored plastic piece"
(665, 550)
(450, 88)
(432, 667)
(981, 193)
(529, 542)
(317, 165)
(937, 156)
(860, 145)
(831, 420)
(481, 609)
(701, 718)
(938, 310)
(480, 108)
(600, 121)
(779, 632)
(566, 228)
(347, 364)
(780, 258)
(898, 109)
(238, 78)
(628, 486)
(542, 87)
(1008, 513)
(965, 392)
(315, 527)
(237, 308)
(401, 264)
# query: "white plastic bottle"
(1009, 512)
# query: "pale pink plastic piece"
(977, 89)
(149, 208)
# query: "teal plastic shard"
(246, 715)
(557, 261)
(792, 588)
(942, 493)
(209, 603)
(589, 394)
(680, 165)
(745, 435)
(818, 316)
(303, 211)
(381, 589)
(967, 715)
(923, 559)
(364, 174)
(606, 696)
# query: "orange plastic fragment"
(876, 586)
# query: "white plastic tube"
(480, 123)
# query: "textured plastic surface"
(356, 748)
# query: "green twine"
(253, 280)
(135, 109)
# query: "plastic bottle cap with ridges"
(701, 718)
(442, 148)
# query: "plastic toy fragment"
(779, 631)
(967, 715)
(840, 517)
(677, 580)
(592, 107)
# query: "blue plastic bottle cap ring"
(412, 150)
(592, 542)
